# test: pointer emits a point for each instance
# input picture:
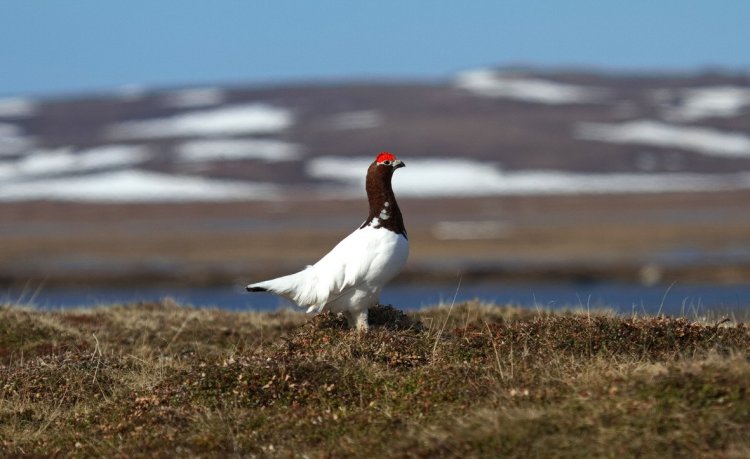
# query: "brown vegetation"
(473, 380)
(684, 237)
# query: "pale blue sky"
(54, 47)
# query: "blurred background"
(573, 153)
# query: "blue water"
(689, 300)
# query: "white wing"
(367, 256)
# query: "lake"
(688, 300)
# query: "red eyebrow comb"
(385, 156)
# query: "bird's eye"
(387, 162)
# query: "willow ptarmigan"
(350, 277)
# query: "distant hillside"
(493, 131)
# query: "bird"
(350, 277)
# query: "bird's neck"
(384, 210)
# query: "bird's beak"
(398, 163)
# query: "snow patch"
(135, 186)
(364, 119)
(12, 140)
(488, 83)
(459, 177)
(655, 133)
(65, 160)
(16, 107)
(232, 149)
(194, 97)
(229, 120)
(710, 102)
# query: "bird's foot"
(357, 320)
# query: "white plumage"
(350, 277)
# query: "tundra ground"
(161, 380)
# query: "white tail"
(302, 287)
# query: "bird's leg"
(362, 324)
(357, 319)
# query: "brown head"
(384, 210)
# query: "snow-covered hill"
(485, 132)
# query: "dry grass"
(162, 380)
